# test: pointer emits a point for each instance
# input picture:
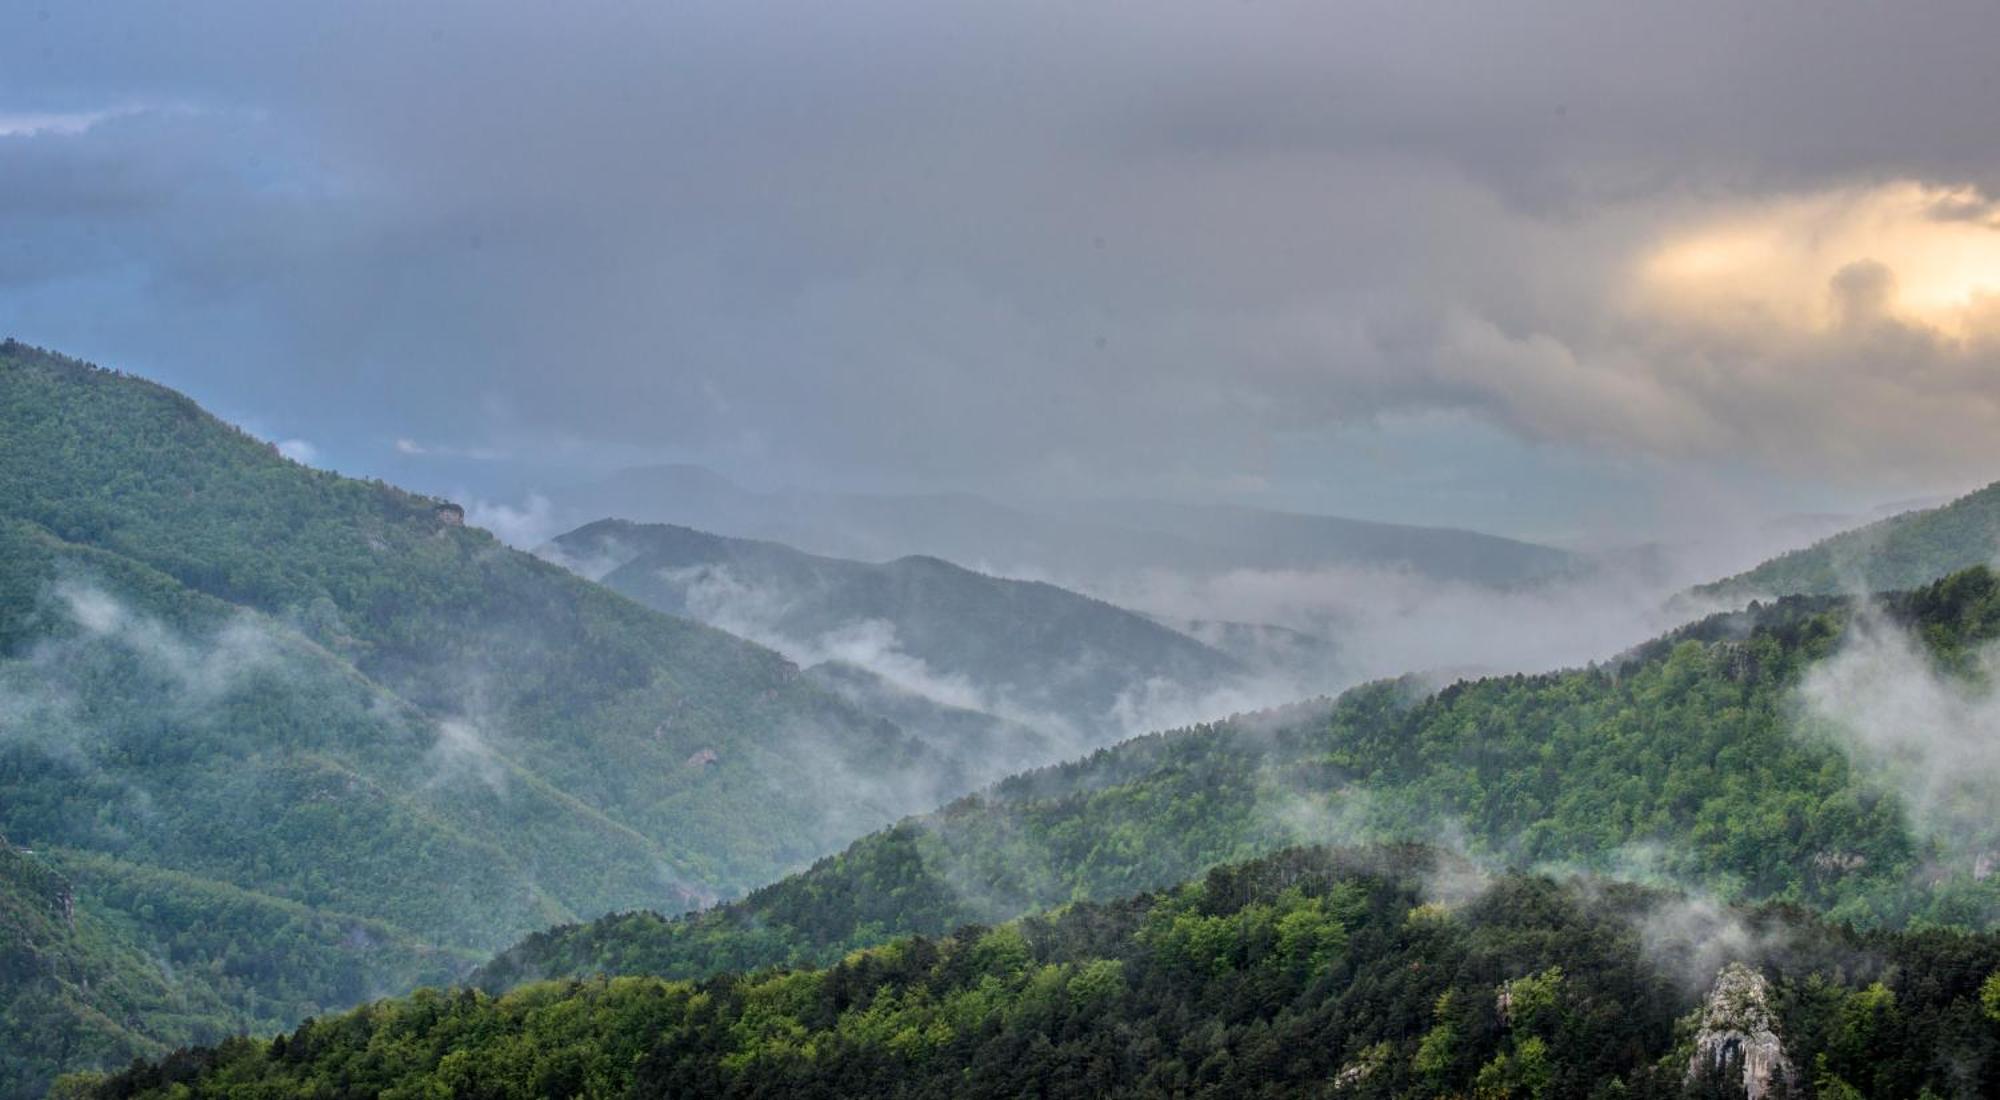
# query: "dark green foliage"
(1688, 756)
(1901, 552)
(1310, 972)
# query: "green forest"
(1367, 973)
(296, 740)
(280, 743)
(1686, 760)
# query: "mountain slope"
(1901, 552)
(1691, 757)
(1048, 657)
(1306, 973)
(102, 962)
(227, 675)
(52, 1016)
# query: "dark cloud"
(1172, 246)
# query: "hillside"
(1690, 758)
(1049, 658)
(54, 1018)
(310, 738)
(103, 962)
(1080, 544)
(1900, 552)
(1366, 973)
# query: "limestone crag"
(1738, 1029)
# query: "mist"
(1389, 622)
(1922, 729)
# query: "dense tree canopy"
(1311, 972)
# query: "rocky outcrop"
(1358, 1070)
(1737, 661)
(1838, 863)
(1738, 1030)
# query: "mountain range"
(1077, 668)
(274, 742)
(1679, 761)
(1081, 544)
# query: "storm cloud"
(1188, 249)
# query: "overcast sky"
(1549, 270)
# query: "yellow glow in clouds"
(1919, 254)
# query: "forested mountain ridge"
(1370, 973)
(346, 743)
(1900, 552)
(1689, 758)
(1050, 658)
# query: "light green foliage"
(1829, 1086)
(1312, 932)
(1438, 1051)
(1525, 1071)
(1532, 1001)
(1002, 951)
(1098, 983)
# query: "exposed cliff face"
(1738, 1029)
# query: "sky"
(1581, 271)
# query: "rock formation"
(1738, 1029)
